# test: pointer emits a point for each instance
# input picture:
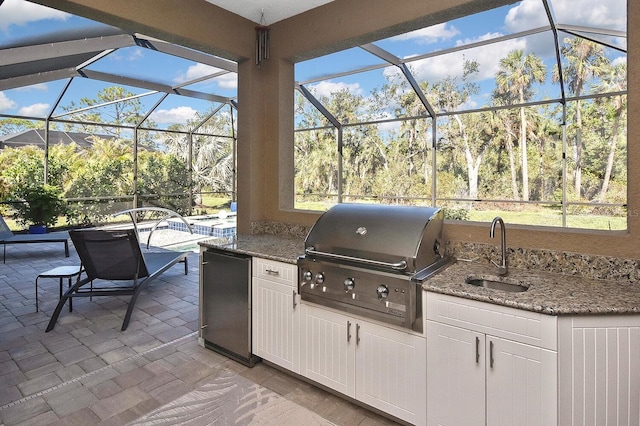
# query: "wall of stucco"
(265, 121)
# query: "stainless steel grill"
(371, 260)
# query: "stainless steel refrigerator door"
(227, 302)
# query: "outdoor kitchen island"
(379, 365)
(580, 339)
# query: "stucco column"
(251, 145)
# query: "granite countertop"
(548, 293)
(266, 246)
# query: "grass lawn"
(537, 217)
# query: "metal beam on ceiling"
(392, 59)
(41, 77)
(200, 79)
(184, 53)
(427, 55)
(591, 37)
(103, 46)
(87, 108)
(41, 52)
(145, 84)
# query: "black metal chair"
(116, 256)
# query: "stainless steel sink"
(503, 284)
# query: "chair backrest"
(5, 232)
(109, 255)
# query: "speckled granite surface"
(577, 264)
(548, 293)
(559, 283)
(279, 228)
(275, 247)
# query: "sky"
(21, 20)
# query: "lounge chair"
(8, 237)
(116, 256)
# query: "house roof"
(37, 137)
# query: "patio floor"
(86, 371)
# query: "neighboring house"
(37, 137)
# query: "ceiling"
(266, 12)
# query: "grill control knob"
(319, 278)
(382, 291)
(307, 275)
(349, 284)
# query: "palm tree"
(584, 60)
(518, 72)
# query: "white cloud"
(526, 15)
(483, 37)
(20, 12)
(228, 81)
(225, 81)
(389, 126)
(326, 88)
(35, 110)
(6, 103)
(596, 13)
(488, 57)
(431, 34)
(619, 60)
(129, 54)
(179, 115)
(591, 13)
(196, 71)
(41, 87)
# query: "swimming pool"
(221, 225)
(173, 233)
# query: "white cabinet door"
(455, 376)
(276, 323)
(328, 349)
(521, 384)
(391, 371)
(490, 364)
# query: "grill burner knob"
(307, 275)
(382, 291)
(349, 284)
(319, 278)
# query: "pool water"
(173, 233)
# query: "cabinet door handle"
(357, 334)
(348, 331)
(272, 272)
(477, 349)
(294, 300)
(491, 354)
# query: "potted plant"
(39, 206)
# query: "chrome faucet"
(502, 268)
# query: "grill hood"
(405, 239)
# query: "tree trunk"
(578, 173)
(472, 166)
(512, 166)
(612, 152)
(523, 147)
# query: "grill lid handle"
(399, 266)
